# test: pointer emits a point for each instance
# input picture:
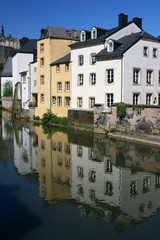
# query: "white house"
(115, 65)
(6, 75)
(21, 78)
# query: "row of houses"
(72, 69)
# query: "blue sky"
(26, 18)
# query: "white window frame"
(42, 47)
(94, 33)
(59, 87)
(67, 101)
(93, 58)
(149, 77)
(80, 80)
(80, 60)
(42, 62)
(42, 79)
(53, 100)
(67, 86)
(155, 52)
(42, 98)
(110, 46)
(92, 78)
(91, 102)
(149, 98)
(83, 36)
(145, 51)
(110, 76)
(136, 76)
(80, 102)
(109, 99)
(59, 101)
(136, 98)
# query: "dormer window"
(83, 36)
(110, 46)
(94, 33)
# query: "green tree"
(7, 89)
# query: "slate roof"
(7, 71)
(60, 33)
(29, 46)
(123, 44)
(65, 59)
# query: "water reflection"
(109, 180)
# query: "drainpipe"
(121, 77)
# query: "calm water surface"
(56, 184)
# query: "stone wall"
(81, 116)
(138, 119)
(7, 102)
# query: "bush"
(112, 130)
(121, 110)
(7, 89)
(49, 117)
(36, 117)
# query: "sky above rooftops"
(25, 19)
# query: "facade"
(33, 81)
(6, 75)
(52, 45)
(61, 80)
(21, 77)
(115, 65)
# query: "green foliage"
(121, 110)
(112, 130)
(36, 117)
(7, 89)
(49, 117)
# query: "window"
(155, 52)
(67, 149)
(159, 99)
(42, 98)
(110, 46)
(145, 51)
(43, 161)
(108, 188)
(109, 99)
(54, 146)
(133, 188)
(59, 146)
(60, 160)
(80, 102)
(80, 60)
(42, 62)
(79, 151)
(94, 33)
(90, 153)
(93, 58)
(110, 75)
(146, 184)
(42, 144)
(157, 181)
(42, 47)
(54, 100)
(83, 36)
(80, 172)
(67, 67)
(42, 79)
(35, 69)
(92, 194)
(35, 83)
(59, 87)
(67, 101)
(91, 102)
(149, 79)
(67, 86)
(108, 166)
(135, 98)
(136, 76)
(80, 79)
(58, 68)
(92, 176)
(148, 98)
(67, 162)
(59, 101)
(92, 78)
(24, 78)
(159, 78)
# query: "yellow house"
(61, 75)
(52, 45)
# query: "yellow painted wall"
(53, 50)
(62, 76)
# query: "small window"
(92, 79)
(80, 60)
(108, 188)
(136, 76)
(67, 148)
(35, 69)
(42, 47)
(83, 36)
(59, 146)
(35, 83)
(67, 67)
(67, 101)
(110, 76)
(59, 101)
(159, 99)
(108, 166)
(42, 98)
(79, 151)
(42, 62)
(58, 68)
(136, 99)
(93, 58)
(109, 99)
(59, 87)
(148, 98)
(146, 184)
(80, 102)
(54, 146)
(60, 160)
(80, 79)
(42, 79)
(155, 52)
(159, 78)
(67, 86)
(145, 51)
(94, 33)
(91, 102)
(110, 46)
(54, 100)
(67, 162)
(133, 188)
(42, 144)
(149, 76)
(92, 176)
(80, 172)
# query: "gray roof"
(123, 44)
(7, 71)
(60, 33)
(29, 46)
(65, 59)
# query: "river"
(61, 184)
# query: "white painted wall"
(33, 77)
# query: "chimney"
(138, 22)
(122, 20)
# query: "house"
(21, 77)
(61, 80)
(52, 45)
(120, 64)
